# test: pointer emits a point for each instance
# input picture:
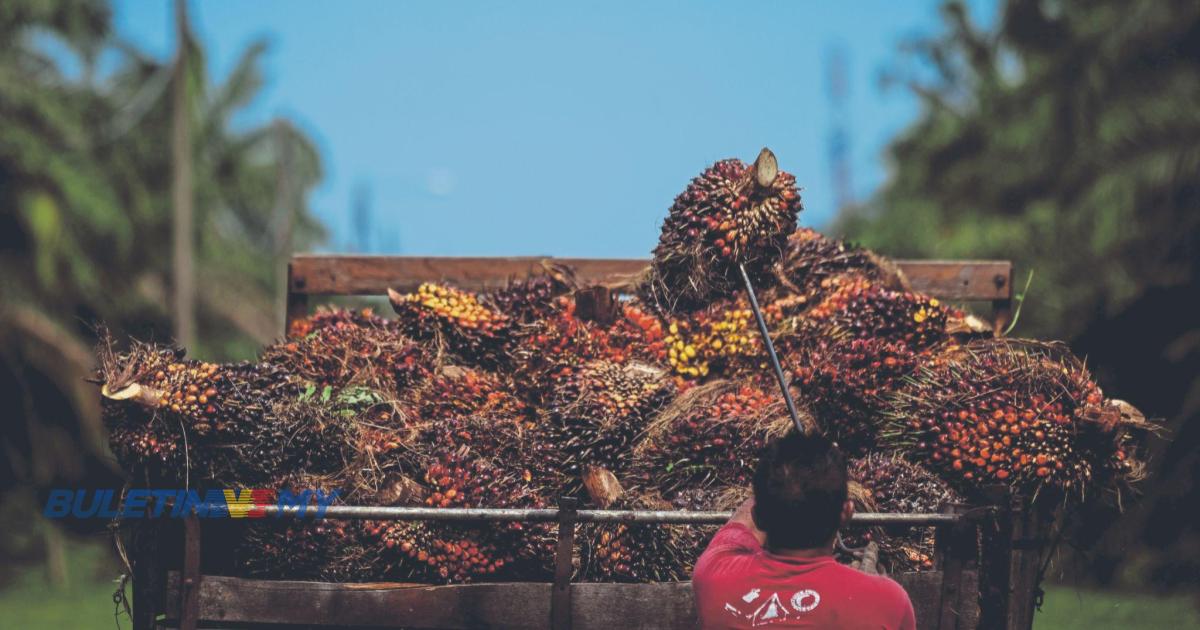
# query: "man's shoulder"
(878, 584)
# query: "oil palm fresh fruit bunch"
(457, 392)
(596, 411)
(637, 335)
(1017, 412)
(710, 436)
(456, 320)
(861, 308)
(719, 340)
(530, 299)
(631, 552)
(730, 214)
(558, 340)
(170, 418)
(429, 551)
(326, 317)
(235, 423)
(889, 483)
(844, 382)
(347, 348)
(810, 260)
(313, 549)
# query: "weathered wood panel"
(373, 275)
(960, 279)
(516, 605)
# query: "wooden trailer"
(985, 565)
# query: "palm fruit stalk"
(731, 214)
(456, 320)
(888, 483)
(1021, 413)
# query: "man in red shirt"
(772, 563)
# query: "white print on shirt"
(773, 609)
(806, 600)
(770, 612)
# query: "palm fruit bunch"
(533, 298)
(844, 383)
(455, 319)
(732, 214)
(431, 552)
(632, 552)
(460, 476)
(636, 335)
(559, 340)
(721, 339)
(173, 418)
(1021, 413)
(888, 483)
(343, 348)
(457, 392)
(811, 261)
(326, 317)
(596, 411)
(315, 549)
(861, 308)
(709, 436)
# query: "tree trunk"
(183, 304)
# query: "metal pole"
(546, 515)
(766, 335)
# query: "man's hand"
(744, 515)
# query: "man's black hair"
(799, 489)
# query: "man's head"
(800, 492)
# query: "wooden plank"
(960, 279)
(594, 606)
(297, 301)
(373, 275)
(147, 572)
(561, 610)
(190, 596)
(956, 553)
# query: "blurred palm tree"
(85, 221)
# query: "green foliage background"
(1066, 139)
(85, 221)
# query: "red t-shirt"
(740, 585)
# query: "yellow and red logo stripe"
(248, 503)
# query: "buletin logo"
(155, 503)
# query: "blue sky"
(554, 128)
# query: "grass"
(86, 603)
(1068, 608)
